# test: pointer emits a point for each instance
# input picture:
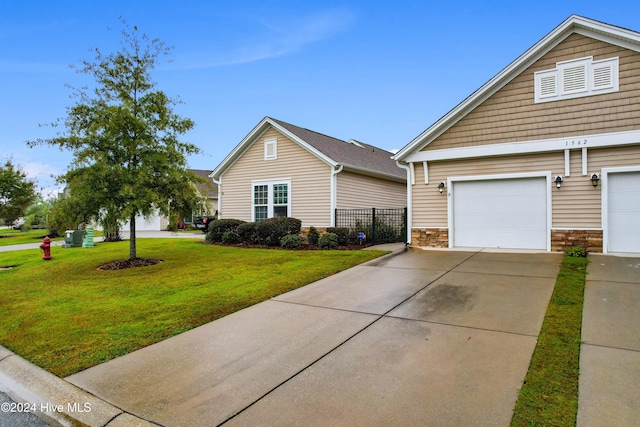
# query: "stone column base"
(430, 237)
(562, 240)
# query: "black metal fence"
(378, 225)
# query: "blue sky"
(377, 71)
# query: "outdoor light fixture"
(558, 181)
(441, 186)
(594, 180)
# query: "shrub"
(577, 252)
(313, 236)
(230, 238)
(342, 233)
(290, 241)
(220, 226)
(247, 233)
(270, 231)
(328, 241)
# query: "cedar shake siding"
(355, 191)
(310, 177)
(511, 115)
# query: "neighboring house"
(280, 169)
(567, 110)
(206, 190)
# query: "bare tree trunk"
(132, 237)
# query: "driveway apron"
(416, 338)
(609, 392)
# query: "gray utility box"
(73, 239)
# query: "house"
(545, 155)
(280, 169)
(208, 191)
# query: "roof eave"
(374, 173)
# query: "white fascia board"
(527, 147)
(574, 24)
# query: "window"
(260, 202)
(270, 149)
(576, 78)
(271, 199)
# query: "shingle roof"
(359, 156)
(207, 189)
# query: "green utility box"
(73, 239)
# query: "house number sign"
(575, 143)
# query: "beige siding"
(356, 191)
(511, 114)
(310, 191)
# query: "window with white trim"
(271, 199)
(576, 78)
(270, 149)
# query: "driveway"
(415, 338)
(609, 391)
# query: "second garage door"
(624, 212)
(500, 213)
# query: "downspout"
(218, 183)
(409, 200)
(334, 193)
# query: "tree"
(16, 192)
(124, 136)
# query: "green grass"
(65, 315)
(549, 396)
(17, 237)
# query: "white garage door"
(624, 211)
(501, 213)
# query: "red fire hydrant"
(46, 248)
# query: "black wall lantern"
(558, 181)
(594, 180)
(441, 186)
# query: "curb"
(55, 400)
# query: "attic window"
(270, 149)
(576, 78)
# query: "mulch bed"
(129, 263)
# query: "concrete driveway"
(417, 338)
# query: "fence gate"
(379, 225)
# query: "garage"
(500, 213)
(623, 211)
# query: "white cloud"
(283, 37)
(40, 171)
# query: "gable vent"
(574, 79)
(602, 77)
(548, 86)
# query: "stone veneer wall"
(431, 237)
(562, 240)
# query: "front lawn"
(65, 315)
